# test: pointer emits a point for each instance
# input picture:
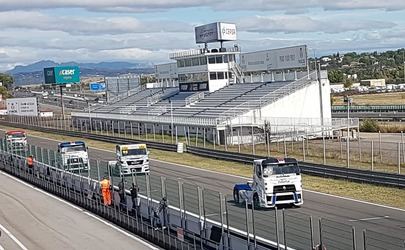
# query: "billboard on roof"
(275, 59)
(215, 32)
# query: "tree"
(7, 80)
(4, 92)
(335, 76)
(348, 83)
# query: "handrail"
(196, 52)
(194, 98)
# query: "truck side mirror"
(147, 152)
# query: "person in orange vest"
(106, 191)
(30, 163)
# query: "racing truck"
(16, 140)
(275, 182)
(132, 158)
(73, 156)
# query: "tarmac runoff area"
(31, 219)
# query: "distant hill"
(33, 73)
(39, 66)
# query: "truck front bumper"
(294, 198)
(136, 169)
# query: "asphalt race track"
(38, 221)
(338, 214)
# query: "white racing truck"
(73, 156)
(16, 140)
(275, 181)
(132, 158)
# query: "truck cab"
(132, 158)
(16, 140)
(73, 156)
(275, 181)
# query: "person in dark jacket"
(134, 198)
(163, 209)
(121, 192)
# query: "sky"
(148, 30)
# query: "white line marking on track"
(21, 245)
(120, 230)
(372, 218)
(245, 178)
(1, 248)
(77, 208)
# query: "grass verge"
(371, 193)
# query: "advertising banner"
(22, 106)
(275, 59)
(215, 32)
(62, 75)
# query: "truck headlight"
(299, 197)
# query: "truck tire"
(236, 196)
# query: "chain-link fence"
(373, 153)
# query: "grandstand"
(209, 90)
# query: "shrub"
(369, 125)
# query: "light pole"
(348, 100)
(88, 109)
(171, 115)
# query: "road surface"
(31, 219)
(349, 212)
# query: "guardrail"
(356, 175)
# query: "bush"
(369, 125)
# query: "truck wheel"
(236, 196)
(256, 202)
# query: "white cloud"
(85, 25)
(153, 5)
(293, 24)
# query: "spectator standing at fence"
(121, 192)
(136, 201)
(106, 191)
(30, 163)
(163, 211)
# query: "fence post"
(254, 226)
(227, 224)
(238, 141)
(204, 137)
(285, 147)
(311, 228)
(196, 138)
(253, 142)
(399, 157)
(359, 143)
(320, 232)
(354, 238)
(221, 212)
(364, 240)
(303, 148)
(341, 147)
(163, 134)
(372, 155)
(276, 220)
(146, 131)
(154, 132)
(284, 230)
(247, 224)
(268, 144)
(379, 147)
(402, 145)
(324, 148)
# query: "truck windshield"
(73, 148)
(16, 136)
(280, 169)
(135, 151)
